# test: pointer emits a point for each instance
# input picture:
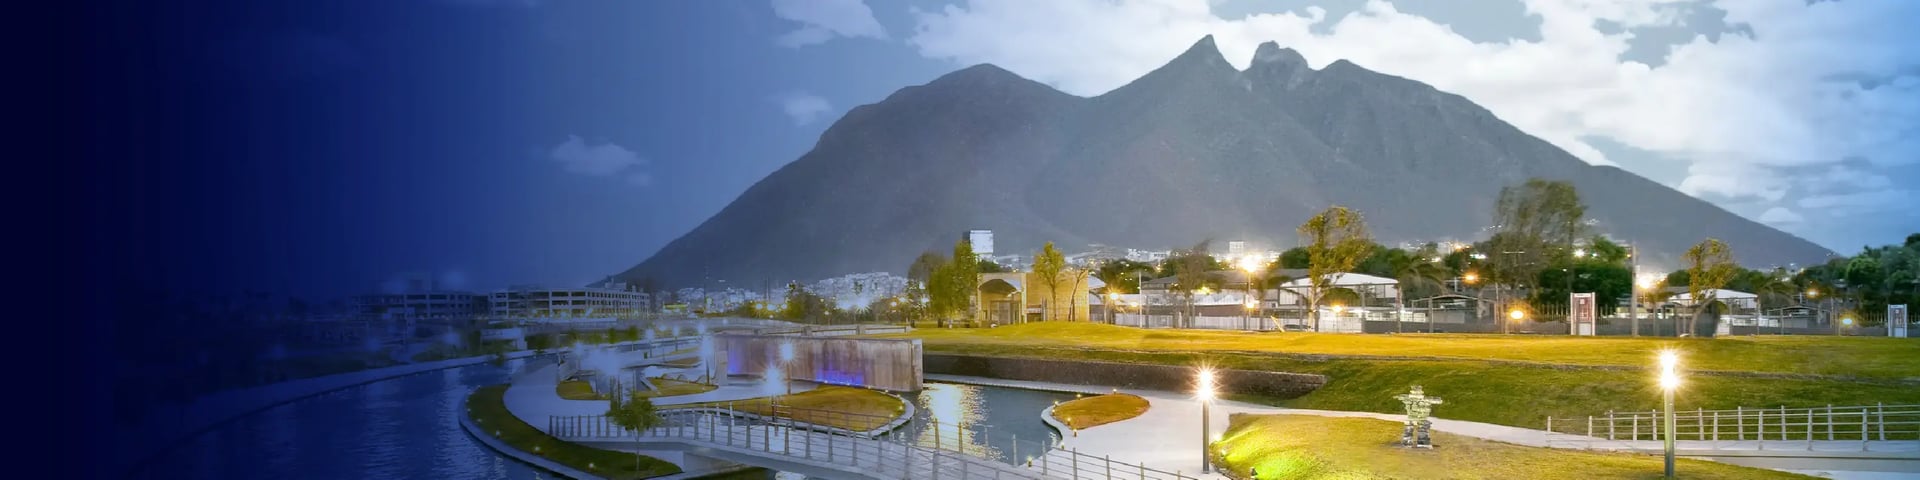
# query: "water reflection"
(402, 428)
(985, 420)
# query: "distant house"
(1738, 300)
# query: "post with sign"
(1897, 321)
(1582, 315)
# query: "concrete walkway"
(1167, 437)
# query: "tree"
(1709, 267)
(1336, 240)
(1534, 221)
(1421, 277)
(1048, 265)
(1076, 277)
(1121, 276)
(1296, 257)
(988, 266)
(634, 413)
(951, 287)
(1191, 271)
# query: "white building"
(982, 241)
(566, 302)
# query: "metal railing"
(1812, 428)
(918, 451)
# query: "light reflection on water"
(989, 419)
(406, 428)
(402, 428)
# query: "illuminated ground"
(1311, 447)
(1100, 410)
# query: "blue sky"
(323, 148)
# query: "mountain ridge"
(1193, 149)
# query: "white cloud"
(821, 20)
(606, 159)
(803, 108)
(1862, 202)
(1781, 216)
(1741, 113)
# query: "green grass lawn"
(1518, 394)
(1865, 357)
(1099, 410)
(669, 387)
(1308, 447)
(577, 390)
(868, 409)
(488, 410)
(581, 390)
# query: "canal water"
(405, 428)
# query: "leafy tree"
(1336, 240)
(1679, 278)
(952, 286)
(1536, 221)
(1049, 265)
(1600, 249)
(1192, 270)
(1296, 257)
(1709, 267)
(988, 266)
(1121, 276)
(634, 413)
(1419, 277)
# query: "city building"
(438, 304)
(982, 241)
(534, 301)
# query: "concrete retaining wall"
(1124, 375)
(885, 364)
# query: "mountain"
(1194, 149)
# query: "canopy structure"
(1367, 286)
(1345, 279)
(1733, 298)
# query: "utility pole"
(1633, 297)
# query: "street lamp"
(1669, 380)
(1203, 391)
(786, 362)
(1517, 315)
(1113, 301)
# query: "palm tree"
(1776, 286)
(1416, 275)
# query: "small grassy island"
(582, 390)
(869, 409)
(1099, 410)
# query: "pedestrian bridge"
(823, 451)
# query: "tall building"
(982, 241)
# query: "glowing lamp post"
(1113, 301)
(1669, 380)
(1203, 391)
